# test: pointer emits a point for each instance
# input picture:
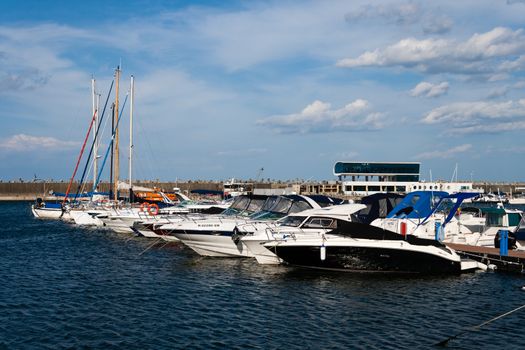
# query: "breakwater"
(20, 190)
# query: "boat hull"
(48, 213)
(263, 255)
(213, 244)
(367, 259)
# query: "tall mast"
(132, 93)
(95, 121)
(115, 118)
(113, 123)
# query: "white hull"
(83, 218)
(50, 213)
(117, 225)
(46, 213)
(262, 254)
(216, 246)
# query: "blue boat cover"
(54, 205)
(417, 205)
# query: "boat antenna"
(444, 343)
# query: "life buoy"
(153, 209)
(144, 207)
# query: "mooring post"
(503, 242)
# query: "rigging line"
(445, 342)
(110, 145)
(79, 158)
(95, 138)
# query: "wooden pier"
(513, 262)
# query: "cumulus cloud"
(427, 89)
(23, 142)
(320, 117)
(484, 117)
(448, 153)
(478, 54)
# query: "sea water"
(66, 287)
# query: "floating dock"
(513, 262)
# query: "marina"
(262, 175)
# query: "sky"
(266, 89)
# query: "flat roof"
(376, 168)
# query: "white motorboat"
(312, 222)
(213, 237)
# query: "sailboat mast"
(95, 113)
(132, 93)
(113, 123)
(116, 153)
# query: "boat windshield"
(239, 205)
(292, 221)
(255, 205)
(282, 207)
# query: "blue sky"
(226, 88)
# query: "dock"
(514, 262)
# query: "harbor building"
(365, 178)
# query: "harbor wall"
(19, 190)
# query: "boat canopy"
(378, 206)
(417, 205)
(459, 198)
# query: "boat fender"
(153, 209)
(403, 228)
(323, 252)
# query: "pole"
(95, 113)
(132, 95)
(112, 150)
(116, 152)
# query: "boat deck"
(513, 262)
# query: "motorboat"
(361, 247)
(239, 206)
(213, 237)
(392, 244)
(311, 222)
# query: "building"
(365, 178)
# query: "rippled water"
(66, 287)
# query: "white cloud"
(427, 89)
(478, 54)
(23, 142)
(448, 153)
(483, 117)
(320, 117)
